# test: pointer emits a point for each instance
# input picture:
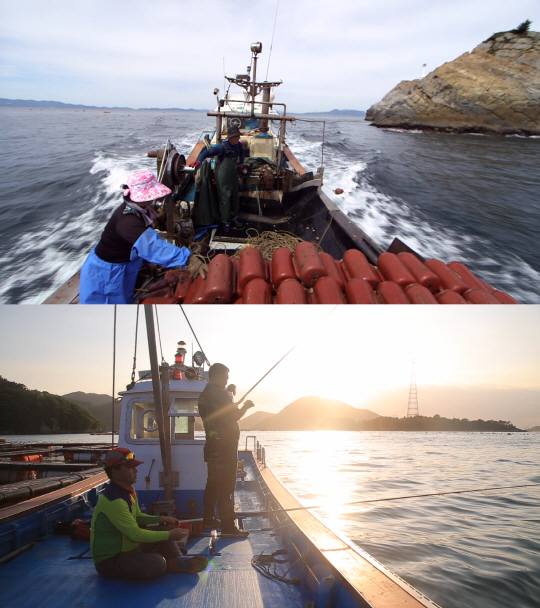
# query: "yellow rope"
(269, 241)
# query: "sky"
(470, 361)
(344, 54)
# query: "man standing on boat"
(230, 154)
(120, 547)
(220, 417)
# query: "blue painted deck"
(47, 576)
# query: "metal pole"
(113, 375)
(156, 385)
(254, 84)
(280, 146)
(265, 108)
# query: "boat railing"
(258, 448)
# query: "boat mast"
(161, 404)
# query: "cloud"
(165, 53)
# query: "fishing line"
(371, 500)
(193, 332)
(135, 348)
(272, 43)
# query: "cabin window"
(183, 427)
(182, 412)
(143, 421)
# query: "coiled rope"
(267, 566)
(268, 242)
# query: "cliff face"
(495, 88)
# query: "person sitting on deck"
(230, 153)
(120, 547)
(220, 418)
(109, 273)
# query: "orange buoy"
(480, 296)
(160, 300)
(418, 294)
(391, 293)
(219, 280)
(503, 297)
(282, 266)
(467, 276)
(450, 297)
(291, 291)
(393, 269)
(359, 291)
(182, 287)
(423, 275)
(356, 266)
(327, 291)
(332, 269)
(308, 264)
(449, 279)
(196, 293)
(257, 291)
(251, 266)
(164, 292)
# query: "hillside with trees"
(28, 412)
(435, 423)
(98, 406)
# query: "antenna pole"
(412, 407)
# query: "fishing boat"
(296, 246)
(290, 558)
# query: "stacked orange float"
(308, 276)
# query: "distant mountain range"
(97, 405)
(24, 411)
(359, 113)
(308, 414)
(32, 103)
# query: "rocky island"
(493, 89)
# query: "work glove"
(197, 266)
(195, 164)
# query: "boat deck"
(60, 572)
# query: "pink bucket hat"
(143, 186)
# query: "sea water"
(477, 549)
(470, 198)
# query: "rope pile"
(269, 241)
(267, 566)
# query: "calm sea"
(465, 197)
(477, 550)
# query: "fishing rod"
(370, 500)
(274, 366)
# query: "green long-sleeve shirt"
(116, 521)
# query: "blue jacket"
(222, 150)
(114, 283)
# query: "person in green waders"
(230, 154)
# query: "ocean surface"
(466, 197)
(480, 549)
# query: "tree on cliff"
(522, 28)
(24, 412)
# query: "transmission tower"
(412, 407)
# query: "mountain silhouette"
(307, 414)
